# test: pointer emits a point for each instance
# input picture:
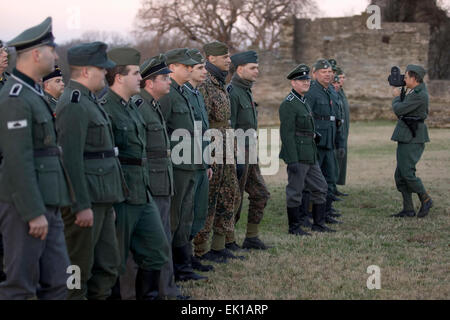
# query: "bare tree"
(237, 23)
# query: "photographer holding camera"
(411, 133)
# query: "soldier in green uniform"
(155, 84)
(138, 222)
(411, 134)
(85, 134)
(3, 64)
(224, 193)
(299, 151)
(244, 115)
(203, 172)
(53, 86)
(179, 114)
(322, 99)
(3, 75)
(342, 161)
(33, 183)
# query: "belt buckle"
(116, 151)
(168, 153)
(332, 118)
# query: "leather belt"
(158, 154)
(48, 152)
(327, 118)
(102, 154)
(304, 134)
(132, 161)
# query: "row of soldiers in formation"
(86, 181)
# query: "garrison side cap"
(154, 66)
(33, 37)
(124, 56)
(300, 72)
(90, 54)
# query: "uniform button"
(100, 170)
(41, 166)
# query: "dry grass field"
(413, 254)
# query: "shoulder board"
(15, 90)
(229, 88)
(75, 96)
(290, 97)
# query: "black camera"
(395, 78)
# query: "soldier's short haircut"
(414, 75)
(111, 73)
(152, 77)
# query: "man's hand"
(85, 218)
(209, 172)
(396, 92)
(341, 152)
(38, 227)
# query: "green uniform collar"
(419, 88)
(118, 99)
(176, 86)
(148, 98)
(191, 88)
(30, 82)
(238, 81)
(84, 90)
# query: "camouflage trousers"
(223, 198)
(252, 182)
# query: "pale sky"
(110, 15)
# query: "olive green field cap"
(90, 54)
(417, 69)
(322, 64)
(125, 56)
(179, 55)
(196, 55)
(215, 48)
(244, 58)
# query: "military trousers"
(223, 197)
(35, 268)
(139, 230)
(308, 177)
(182, 207)
(252, 182)
(327, 163)
(342, 169)
(201, 189)
(95, 250)
(1, 254)
(408, 155)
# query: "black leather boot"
(115, 291)
(294, 222)
(319, 218)
(303, 211)
(147, 284)
(328, 211)
(182, 265)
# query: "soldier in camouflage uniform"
(244, 115)
(224, 192)
(53, 87)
